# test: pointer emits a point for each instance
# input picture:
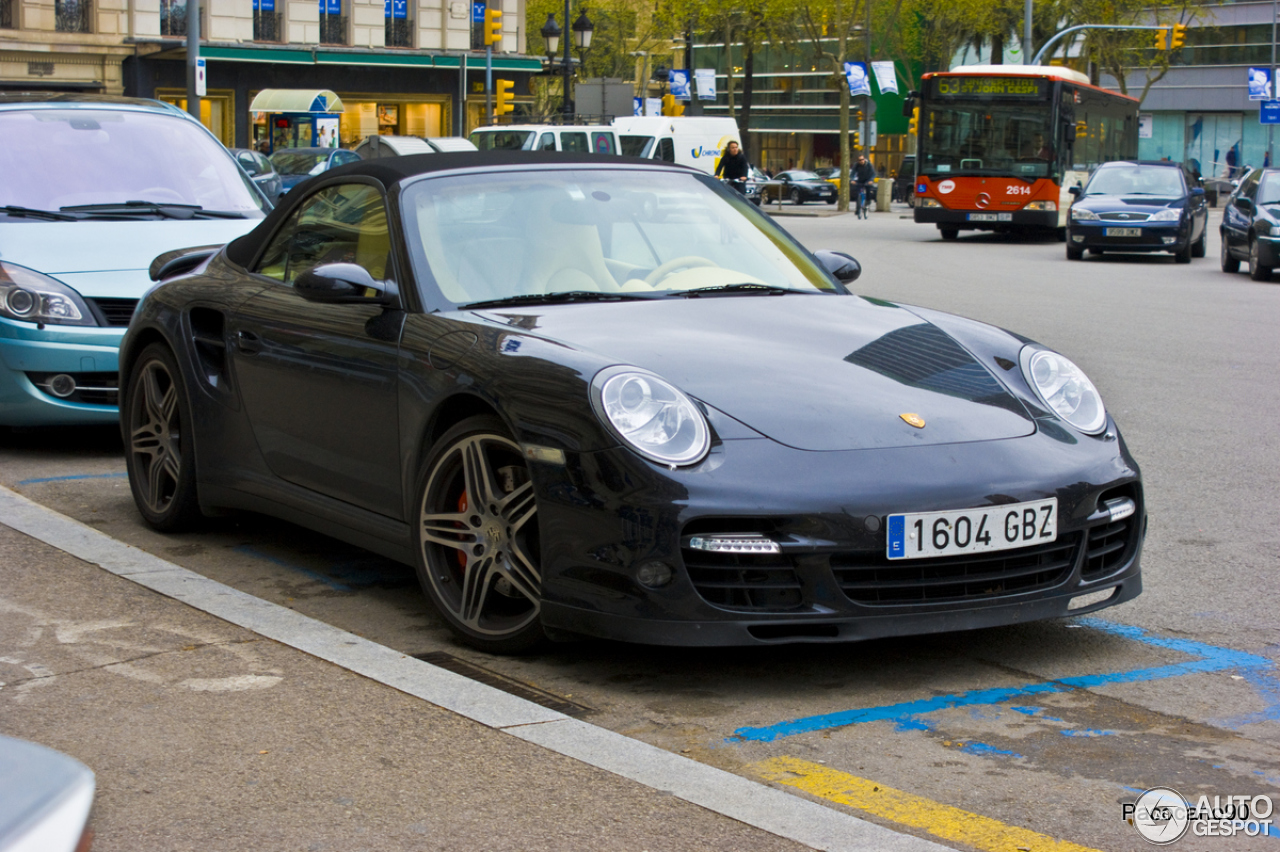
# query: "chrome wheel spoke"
(449, 530)
(156, 475)
(481, 486)
(518, 507)
(476, 583)
(522, 573)
(152, 395)
(145, 441)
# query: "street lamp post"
(551, 33)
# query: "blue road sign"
(1270, 112)
(477, 13)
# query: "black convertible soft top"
(389, 171)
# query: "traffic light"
(670, 106)
(492, 26)
(1162, 39)
(502, 97)
(1179, 36)
(913, 126)
(854, 140)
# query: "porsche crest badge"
(913, 420)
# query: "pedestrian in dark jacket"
(734, 166)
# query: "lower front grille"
(872, 579)
(1108, 548)
(753, 582)
(90, 389)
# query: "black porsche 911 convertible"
(611, 398)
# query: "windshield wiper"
(155, 208)
(33, 213)
(750, 289)
(564, 296)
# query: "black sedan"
(1251, 225)
(611, 399)
(1139, 207)
(799, 186)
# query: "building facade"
(408, 67)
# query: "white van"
(377, 147)
(689, 140)
(573, 138)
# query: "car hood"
(105, 259)
(809, 371)
(1129, 203)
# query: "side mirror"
(1197, 190)
(249, 165)
(344, 283)
(840, 265)
(1244, 204)
(1075, 190)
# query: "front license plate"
(990, 217)
(1124, 232)
(932, 534)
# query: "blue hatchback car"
(94, 188)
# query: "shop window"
(216, 112)
(333, 24)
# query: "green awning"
(296, 100)
(253, 54)
(395, 60)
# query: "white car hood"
(109, 259)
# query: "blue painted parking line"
(76, 476)
(1210, 658)
(249, 550)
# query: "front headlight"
(1168, 214)
(1064, 388)
(1042, 205)
(930, 202)
(1082, 213)
(30, 296)
(651, 415)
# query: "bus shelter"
(295, 118)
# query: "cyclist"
(863, 180)
(735, 167)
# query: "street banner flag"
(653, 106)
(679, 81)
(886, 76)
(705, 80)
(856, 74)
(1259, 84)
(637, 106)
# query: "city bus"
(1000, 145)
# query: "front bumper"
(605, 514)
(963, 220)
(1268, 250)
(1155, 236)
(28, 352)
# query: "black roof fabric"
(389, 171)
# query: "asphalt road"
(968, 737)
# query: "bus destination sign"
(989, 87)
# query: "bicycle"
(861, 211)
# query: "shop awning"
(296, 100)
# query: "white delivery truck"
(689, 140)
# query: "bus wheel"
(949, 233)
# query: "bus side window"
(547, 142)
(666, 150)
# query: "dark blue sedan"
(297, 164)
(1251, 225)
(1139, 207)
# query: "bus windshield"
(974, 138)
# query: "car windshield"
(501, 140)
(986, 138)
(55, 158)
(1135, 180)
(797, 175)
(1269, 190)
(299, 163)
(636, 234)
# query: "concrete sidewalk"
(223, 733)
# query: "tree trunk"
(997, 50)
(728, 66)
(748, 85)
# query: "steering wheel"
(687, 262)
(161, 194)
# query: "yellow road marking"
(938, 819)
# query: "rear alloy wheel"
(477, 533)
(1230, 263)
(1201, 246)
(161, 454)
(1257, 271)
(796, 198)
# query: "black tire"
(159, 447)
(1230, 263)
(949, 233)
(831, 201)
(478, 550)
(1201, 246)
(1257, 271)
(1183, 255)
(1074, 252)
(796, 198)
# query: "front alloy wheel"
(1230, 263)
(478, 551)
(161, 455)
(1257, 271)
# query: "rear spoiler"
(180, 261)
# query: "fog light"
(1120, 508)
(1077, 238)
(734, 543)
(62, 386)
(655, 574)
(1169, 240)
(1092, 598)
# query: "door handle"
(248, 342)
